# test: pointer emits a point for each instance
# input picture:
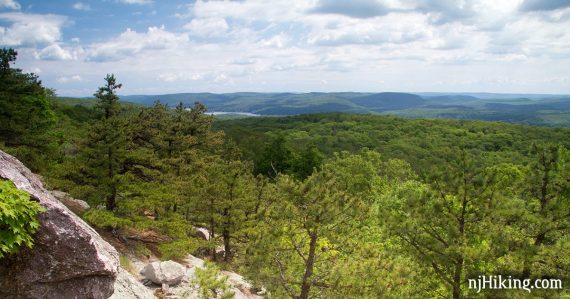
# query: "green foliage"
(107, 99)
(18, 218)
(25, 109)
(528, 109)
(179, 249)
(142, 250)
(224, 201)
(310, 226)
(423, 143)
(332, 205)
(26, 113)
(276, 158)
(546, 220)
(448, 226)
(212, 284)
(126, 264)
(306, 162)
(105, 219)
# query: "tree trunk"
(110, 205)
(111, 199)
(226, 236)
(459, 263)
(212, 231)
(457, 279)
(309, 264)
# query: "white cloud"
(131, 43)
(10, 4)
(296, 45)
(397, 29)
(207, 27)
(29, 29)
(179, 76)
(56, 52)
(81, 6)
(73, 78)
(280, 40)
(276, 10)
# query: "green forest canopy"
(325, 205)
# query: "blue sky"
(154, 47)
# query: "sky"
(172, 46)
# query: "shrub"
(126, 264)
(18, 221)
(105, 219)
(212, 283)
(178, 249)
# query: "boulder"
(169, 272)
(69, 259)
(77, 206)
(237, 280)
(192, 261)
(128, 287)
(202, 233)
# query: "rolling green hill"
(544, 110)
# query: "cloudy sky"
(153, 47)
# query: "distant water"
(231, 113)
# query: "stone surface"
(69, 259)
(202, 233)
(192, 261)
(128, 287)
(241, 288)
(168, 272)
(237, 280)
(77, 206)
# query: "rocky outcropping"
(77, 206)
(128, 287)
(169, 272)
(69, 259)
(202, 233)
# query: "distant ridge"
(288, 103)
(535, 109)
(389, 101)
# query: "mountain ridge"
(532, 109)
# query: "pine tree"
(546, 221)
(26, 112)
(107, 99)
(307, 229)
(222, 198)
(105, 145)
(447, 226)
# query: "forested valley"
(313, 206)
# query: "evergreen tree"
(222, 200)
(447, 226)
(212, 284)
(310, 226)
(26, 112)
(546, 221)
(107, 99)
(105, 145)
